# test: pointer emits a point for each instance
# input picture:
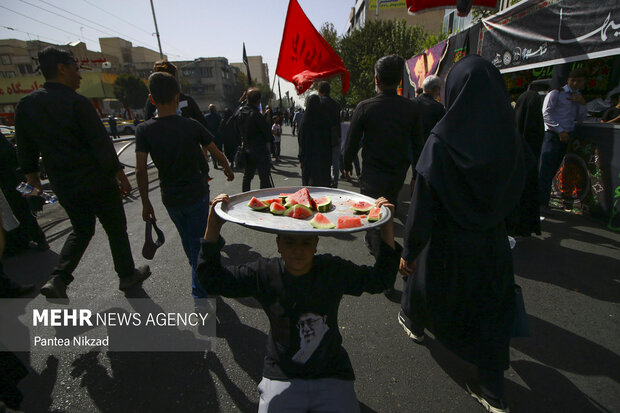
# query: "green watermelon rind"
(362, 210)
(372, 218)
(325, 206)
(299, 206)
(326, 225)
(257, 208)
(279, 211)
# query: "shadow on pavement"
(578, 250)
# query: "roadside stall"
(545, 39)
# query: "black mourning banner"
(541, 33)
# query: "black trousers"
(82, 210)
(254, 164)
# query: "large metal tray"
(237, 211)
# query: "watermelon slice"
(323, 204)
(301, 197)
(271, 201)
(320, 221)
(299, 211)
(277, 208)
(374, 215)
(362, 207)
(284, 196)
(257, 205)
(348, 222)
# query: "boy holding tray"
(306, 368)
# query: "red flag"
(304, 54)
(463, 6)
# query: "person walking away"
(332, 110)
(184, 192)
(188, 108)
(113, 129)
(315, 145)
(432, 112)
(230, 139)
(525, 218)
(456, 253)
(213, 121)
(389, 124)
(252, 128)
(305, 368)
(562, 108)
(83, 168)
(276, 132)
(297, 119)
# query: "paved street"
(570, 278)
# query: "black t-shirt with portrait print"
(304, 338)
(174, 145)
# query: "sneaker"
(139, 275)
(489, 403)
(404, 321)
(55, 288)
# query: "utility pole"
(161, 54)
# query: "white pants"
(305, 396)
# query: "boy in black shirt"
(305, 365)
(174, 144)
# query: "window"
(206, 72)
(188, 72)
(9, 74)
(5, 59)
(24, 69)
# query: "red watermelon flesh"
(362, 207)
(271, 201)
(320, 221)
(257, 205)
(348, 222)
(299, 211)
(277, 208)
(323, 204)
(374, 214)
(301, 197)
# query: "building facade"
(258, 69)
(371, 10)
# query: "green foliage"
(131, 91)
(362, 48)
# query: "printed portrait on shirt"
(312, 328)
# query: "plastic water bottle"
(26, 189)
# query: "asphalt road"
(570, 277)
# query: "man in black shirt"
(300, 293)
(255, 134)
(389, 124)
(432, 111)
(184, 192)
(332, 109)
(82, 166)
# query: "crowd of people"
(471, 174)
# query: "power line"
(132, 24)
(88, 20)
(31, 34)
(46, 24)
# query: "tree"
(131, 91)
(362, 48)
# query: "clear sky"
(188, 28)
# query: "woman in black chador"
(315, 145)
(470, 176)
